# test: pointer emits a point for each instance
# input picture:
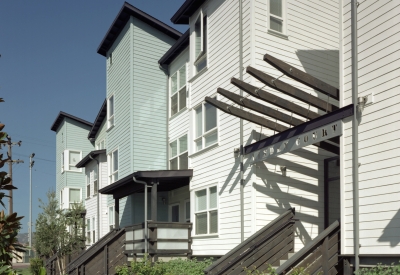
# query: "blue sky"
(49, 64)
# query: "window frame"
(207, 210)
(65, 161)
(204, 134)
(111, 215)
(178, 154)
(283, 19)
(93, 230)
(110, 117)
(178, 91)
(110, 160)
(101, 144)
(185, 212)
(95, 180)
(69, 197)
(88, 185)
(202, 55)
(88, 231)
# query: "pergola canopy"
(167, 180)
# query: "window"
(101, 145)
(74, 196)
(111, 221)
(93, 230)
(206, 132)
(88, 185)
(206, 215)
(113, 166)
(95, 180)
(178, 154)
(200, 42)
(110, 111)
(178, 90)
(276, 15)
(88, 231)
(74, 158)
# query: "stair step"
(281, 262)
(291, 255)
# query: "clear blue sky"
(49, 64)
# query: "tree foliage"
(9, 246)
(58, 231)
(5, 182)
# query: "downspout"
(98, 204)
(241, 125)
(145, 212)
(354, 84)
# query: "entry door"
(174, 212)
(331, 190)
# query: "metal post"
(31, 163)
(10, 193)
(116, 213)
(354, 82)
(154, 202)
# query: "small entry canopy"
(167, 180)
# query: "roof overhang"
(186, 10)
(89, 157)
(99, 120)
(122, 18)
(63, 115)
(167, 180)
(180, 45)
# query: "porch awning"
(167, 180)
(87, 158)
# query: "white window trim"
(65, 155)
(99, 143)
(110, 126)
(282, 34)
(109, 159)
(204, 134)
(184, 210)
(88, 180)
(64, 200)
(178, 90)
(208, 210)
(177, 148)
(203, 48)
(88, 230)
(170, 211)
(93, 231)
(112, 215)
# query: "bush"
(35, 265)
(380, 270)
(173, 267)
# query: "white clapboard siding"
(379, 55)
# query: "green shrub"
(173, 267)
(35, 265)
(380, 270)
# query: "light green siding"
(140, 104)
(71, 135)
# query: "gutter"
(241, 124)
(354, 84)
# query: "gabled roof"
(186, 10)
(123, 16)
(87, 158)
(99, 120)
(63, 115)
(180, 45)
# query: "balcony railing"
(163, 239)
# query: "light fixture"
(236, 152)
(361, 103)
(283, 170)
(164, 200)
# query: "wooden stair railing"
(270, 244)
(102, 257)
(320, 256)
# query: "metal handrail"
(304, 252)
